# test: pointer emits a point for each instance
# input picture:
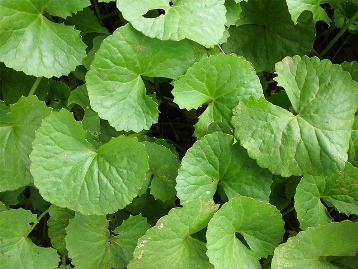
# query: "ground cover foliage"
(178, 134)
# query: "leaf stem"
(38, 220)
(341, 32)
(34, 86)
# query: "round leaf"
(318, 247)
(296, 7)
(243, 231)
(215, 160)
(70, 173)
(29, 42)
(115, 87)
(219, 81)
(200, 21)
(169, 245)
(314, 138)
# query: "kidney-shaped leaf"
(243, 231)
(219, 81)
(17, 132)
(114, 82)
(91, 246)
(318, 247)
(18, 251)
(266, 34)
(169, 244)
(200, 21)
(338, 190)
(29, 42)
(314, 138)
(296, 7)
(70, 172)
(215, 160)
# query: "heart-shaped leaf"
(296, 7)
(314, 138)
(70, 172)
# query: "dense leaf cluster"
(178, 134)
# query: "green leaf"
(243, 231)
(220, 82)
(91, 245)
(344, 12)
(170, 245)
(31, 43)
(297, 7)
(266, 34)
(114, 81)
(316, 246)
(163, 165)
(70, 172)
(17, 133)
(18, 251)
(314, 138)
(214, 160)
(192, 19)
(352, 68)
(58, 221)
(337, 190)
(353, 144)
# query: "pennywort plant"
(178, 134)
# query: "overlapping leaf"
(200, 21)
(314, 138)
(243, 231)
(337, 190)
(70, 172)
(322, 246)
(18, 251)
(266, 34)
(17, 132)
(91, 245)
(353, 144)
(114, 82)
(31, 43)
(297, 7)
(214, 160)
(169, 243)
(220, 82)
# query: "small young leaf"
(91, 246)
(169, 245)
(58, 221)
(219, 81)
(70, 172)
(115, 87)
(338, 190)
(35, 45)
(16, 137)
(215, 160)
(317, 246)
(266, 34)
(315, 138)
(297, 7)
(243, 231)
(200, 21)
(18, 251)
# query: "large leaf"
(70, 172)
(338, 190)
(214, 160)
(31, 43)
(266, 34)
(200, 21)
(17, 132)
(314, 138)
(114, 82)
(318, 247)
(219, 81)
(18, 251)
(243, 231)
(169, 244)
(91, 245)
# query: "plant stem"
(34, 87)
(341, 32)
(38, 220)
